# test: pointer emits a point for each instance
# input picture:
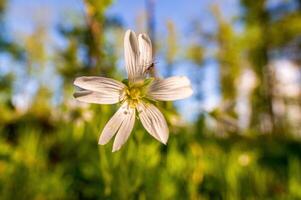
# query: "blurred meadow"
(237, 137)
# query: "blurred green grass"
(67, 163)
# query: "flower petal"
(145, 49)
(99, 84)
(99, 90)
(131, 55)
(153, 121)
(116, 123)
(170, 89)
(124, 130)
(96, 97)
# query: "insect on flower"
(150, 69)
(151, 66)
(135, 94)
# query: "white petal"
(170, 89)
(116, 123)
(131, 55)
(145, 49)
(99, 90)
(124, 130)
(153, 121)
(99, 84)
(96, 97)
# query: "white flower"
(135, 93)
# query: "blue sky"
(22, 16)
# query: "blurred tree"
(229, 57)
(95, 23)
(151, 23)
(86, 51)
(263, 30)
(6, 43)
(257, 22)
(171, 47)
(7, 48)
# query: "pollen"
(134, 95)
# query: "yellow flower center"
(134, 95)
(135, 92)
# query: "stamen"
(134, 94)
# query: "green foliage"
(229, 56)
